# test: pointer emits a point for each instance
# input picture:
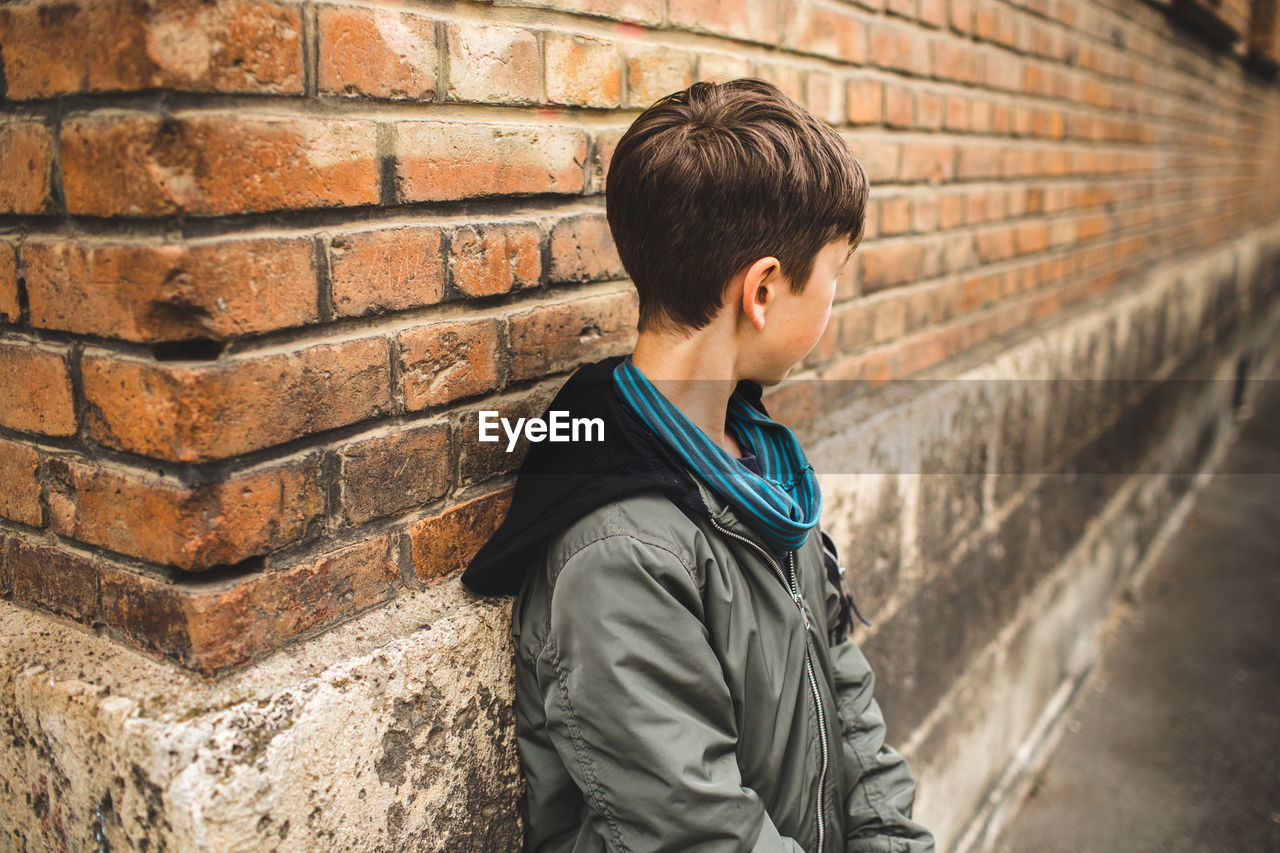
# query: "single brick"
(789, 79)
(654, 72)
(35, 390)
(824, 98)
(880, 157)
(582, 71)
(895, 215)
(382, 53)
(478, 460)
(389, 269)
(445, 543)
(721, 67)
(133, 164)
(582, 249)
(492, 64)
(886, 265)
(639, 11)
(194, 413)
(193, 528)
(829, 31)
(749, 20)
(900, 48)
(899, 106)
(955, 61)
(606, 143)
(447, 360)
(488, 259)
(394, 471)
(933, 13)
(865, 100)
(557, 336)
(19, 482)
(54, 579)
(171, 291)
(10, 308)
(927, 161)
(26, 157)
(210, 627)
(442, 161)
(227, 46)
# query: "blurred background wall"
(262, 263)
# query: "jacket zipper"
(790, 585)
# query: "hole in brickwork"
(195, 349)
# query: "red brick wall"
(262, 262)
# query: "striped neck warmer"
(782, 506)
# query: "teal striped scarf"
(782, 506)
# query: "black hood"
(560, 482)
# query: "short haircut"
(713, 177)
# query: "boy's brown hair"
(716, 176)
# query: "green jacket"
(679, 688)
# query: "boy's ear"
(758, 287)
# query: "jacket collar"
(558, 483)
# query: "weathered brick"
(10, 307)
(133, 164)
(26, 158)
(389, 269)
(640, 11)
(654, 72)
(447, 360)
(884, 265)
(53, 579)
(478, 460)
(749, 20)
(19, 482)
(865, 100)
(224, 46)
(35, 390)
(395, 470)
(899, 48)
(194, 413)
(582, 71)
(557, 336)
(960, 16)
(606, 143)
(492, 64)
(582, 249)
(440, 161)
(494, 258)
(214, 626)
(193, 528)
(829, 31)
(171, 291)
(381, 53)
(445, 543)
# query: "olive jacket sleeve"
(642, 715)
(881, 787)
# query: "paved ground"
(1177, 746)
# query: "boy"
(683, 681)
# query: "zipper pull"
(804, 613)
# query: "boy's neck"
(696, 373)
